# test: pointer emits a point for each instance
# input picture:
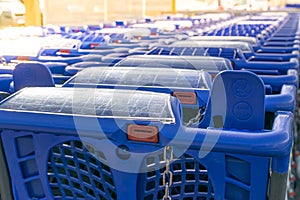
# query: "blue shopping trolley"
(191, 87)
(262, 28)
(253, 41)
(56, 151)
(211, 64)
(244, 46)
(208, 63)
(262, 65)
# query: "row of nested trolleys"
(203, 107)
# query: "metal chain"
(194, 122)
(167, 175)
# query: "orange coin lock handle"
(186, 97)
(141, 133)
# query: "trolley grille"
(73, 172)
(190, 179)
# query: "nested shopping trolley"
(253, 41)
(212, 65)
(270, 32)
(190, 86)
(271, 63)
(89, 143)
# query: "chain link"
(194, 122)
(168, 175)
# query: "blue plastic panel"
(242, 105)
(32, 74)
